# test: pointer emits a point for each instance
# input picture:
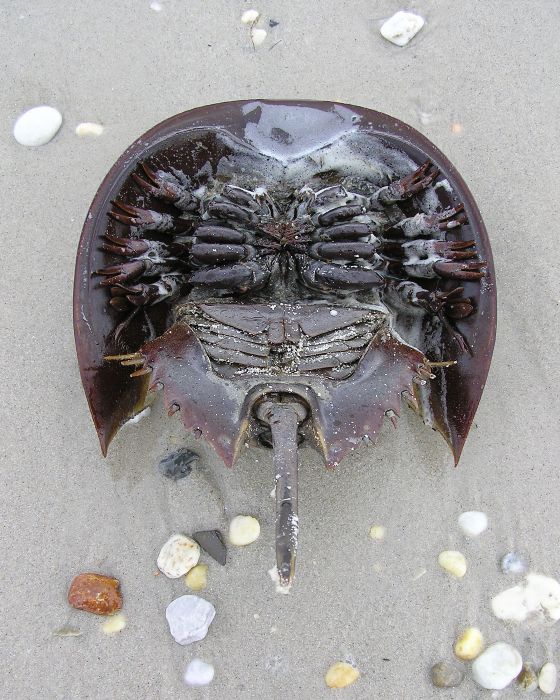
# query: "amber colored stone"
(95, 593)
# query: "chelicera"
(285, 289)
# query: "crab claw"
(455, 250)
(123, 272)
(129, 247)
(166, 186)
(147, 219)
(426, 224)
(459, 270)
(407, 186)
(451, 303)
(143, 294)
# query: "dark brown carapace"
(285, 271)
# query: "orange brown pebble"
(95, 593)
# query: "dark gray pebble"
(213, 543)
(178, 464)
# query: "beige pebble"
(258, 36)
(114, 624)
(197, 577)
(89, 129)
(469, 644)
(548, 678)
(453, 562)
(377, 532)
(243, 530)
(250, 16)
(178, 556)
(341, 674)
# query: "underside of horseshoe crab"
(286, 271)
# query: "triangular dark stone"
(212, 542)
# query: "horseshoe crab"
(285, 271)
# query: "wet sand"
(480, 80)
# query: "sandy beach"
(480, 80)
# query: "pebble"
(178, 556)
(178, 464)
(512, 563)
(243, 530)
(37, 126)
(95, 593)
(377, 532)
(198, 673)
(89, 129)
(68, 631)
(497, 666)
(341, 675)
(250, 16)
(527, 679)
(446, 675)
(453, 562)
(156, 6)
(115, 624)
(197, 578)
(473, 523)
(537, 595)
(547, 678)
(258, 36)
(469, 644)
(401, 27)
(189, 618)
(213, 544)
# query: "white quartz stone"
(189, 618)
(473, 523)
(258, 36)
(37, 126)
(243, 530)
(250, 16)
(198, 673)
(537, 595)
(497, 666)
(548, 678)
(401, 27)
(89, 129)
(178, 555)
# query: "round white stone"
(258, 36)
(198, 673)
(178, 555)
(243, 530)
(189, 618)
(250, 16)
(37, 126)
(547, 678)
(473, 523)
(401, 27)
(496, 667)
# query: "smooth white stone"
(548, 678)
(89, 129)
(198, 673)
(189, 618)
(243, 530)
(377, 532)
(537, 595)
(258, 36)
(473, 523)
(496, 667)
(178, 556)
(37, 126)
(250, 16)
(401, 27)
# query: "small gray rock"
(513, 563)
(178, 464)
(446, 675)
(189, 618)
(212, 542)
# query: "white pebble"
(512, 563)
(189, 618)
(547, 678)
(401, 27)
(473, 523)
(496, 667)
(37, 126)
(250, 16)
(537, 595)
(116, 623)
(89, 129)
(258, 36)
(377, 532)
(177, 556)
(156, 6)
(198, 673)
(243, 530)
(454, 563)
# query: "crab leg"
(407, 186)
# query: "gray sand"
(491, 67)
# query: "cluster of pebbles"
(498, 665)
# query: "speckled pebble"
(469, 644)
(243, 530)
(453, 562)
(178, 556)
(341, 675)
(401, 27)
(446, 675)
(37, 126)
(497, 666)
(198, 673)
(197, 578)
(548, 678)
(512, 563)
(189, 618)
(527, 679)
(473, 523)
